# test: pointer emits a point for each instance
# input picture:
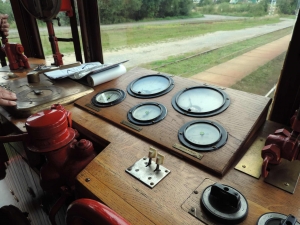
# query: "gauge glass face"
(150, 85)
(108, 97)
(200, 100)
(146, 112)
(202, 134)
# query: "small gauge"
(202, 135)
(150, 86)
(200, 101)
(108, 97)
(147, 113)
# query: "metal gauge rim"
(153, 95)
(156, 119)
(271, 217)
(231, 218)
(189, 112)
(221, 141)
(121, 93)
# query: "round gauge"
(200, 101)
(150, 86)
(202, 135)
(147, 113)
(108, 97)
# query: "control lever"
(152, 154)
(290, 220)
(159, 161)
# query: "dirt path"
(159, 51)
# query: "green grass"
(146, 34)
(198, 63)
(115, 39)
(262, 80)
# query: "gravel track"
(159, 51)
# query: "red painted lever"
(88, 211)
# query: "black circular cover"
(274, 218)
(202, 135)
(201, 101)
(42, 9)
(147, 113)
(224, 204)
(118, 96)
(150, 86)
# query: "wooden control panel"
(245, 114)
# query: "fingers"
(7, 98)
(4, 25)
(4, 102)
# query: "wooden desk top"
(169, 201)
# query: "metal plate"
(146, 174)
(252, 161)
(48, 92)
(285, 175)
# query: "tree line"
(116, 11)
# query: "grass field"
(115, 39)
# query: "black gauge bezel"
(115, 102)
(163, 114)
(145, 96)
(176, 106)
(205, 148)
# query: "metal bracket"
(284, 175)
(147, 174)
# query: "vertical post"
(90, 30)
(28, 31)
(287, 95)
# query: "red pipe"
(86, 211)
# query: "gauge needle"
(109, 97)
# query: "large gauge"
(150, 86)
(147, 113)
(108, 97)
(202, 135)
(200, 101)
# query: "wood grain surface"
(243, 117)
(164, 204)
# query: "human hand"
(4, 25)
(7, 98)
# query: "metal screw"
(196, 192)
(192, 209)
(137, 170)
(151, 183)
(87, 179)
(149, 178)
(180, 133)
(166, 171)
(286, 184)
(243, 166)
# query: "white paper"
(107, 75)
(58, 74)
